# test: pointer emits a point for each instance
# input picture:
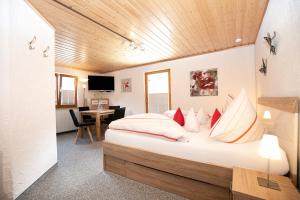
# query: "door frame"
(146, 85)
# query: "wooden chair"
(81, 126)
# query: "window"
(158, 91)
(66, 91)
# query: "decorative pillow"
(178, 117)
(191, 122)
(202, 117)
(171, 113)
(239, 123)
(216, 116)
(228, 101)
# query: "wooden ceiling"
(168, 29)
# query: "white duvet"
(199, 147)
(152, 124)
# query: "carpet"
(79, 175)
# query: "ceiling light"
(238, 40)
(135, 46)
(142, 47)
(132, 45)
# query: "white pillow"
(228, 101)
(191, 122)
(202, 117)
(239, 124)
(171, 113)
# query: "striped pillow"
(239, 124)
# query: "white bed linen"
(199, 147)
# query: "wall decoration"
(204, 82)
(46, 52)
(263, 67)
(94, 103)
(126, 85)
(270, 41)
(31, 43)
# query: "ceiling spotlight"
(238, 40)
(142, 47)
(133, 45)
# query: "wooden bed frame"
(190, 179)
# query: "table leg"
(81, 130)
(98, 127)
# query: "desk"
(97, 114)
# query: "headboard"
(284, 124)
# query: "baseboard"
(41, 177)
(70, 131)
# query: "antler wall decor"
(263, 67)
(270, 42)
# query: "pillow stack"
(239, 124)
(191, 121)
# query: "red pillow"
(215, 117)
(178, 117)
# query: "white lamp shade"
(84, 86)
(269, 147)
(267, 115)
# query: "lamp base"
(268, 184)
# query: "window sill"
(65, 106)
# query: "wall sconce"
(263, 67)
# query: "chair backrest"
(113, 107)
(119, 113)
(74, 118)
(84, 108)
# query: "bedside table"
(245, 186)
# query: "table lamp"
(267, 120)
(269, 149)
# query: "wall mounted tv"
(101, 83)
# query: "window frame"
(58, 90)
(146, 87)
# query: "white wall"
(283, 73)
(235, 70)
(63, 118)
(5, 128)
(29, 110)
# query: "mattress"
(200, 148)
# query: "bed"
(198, 167)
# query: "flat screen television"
(101, 83)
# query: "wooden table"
(245, 186)
(97, 114)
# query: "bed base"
(190, 179)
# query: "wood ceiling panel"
(168, 29)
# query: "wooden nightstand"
(245, 186)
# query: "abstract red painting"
(204, 82)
